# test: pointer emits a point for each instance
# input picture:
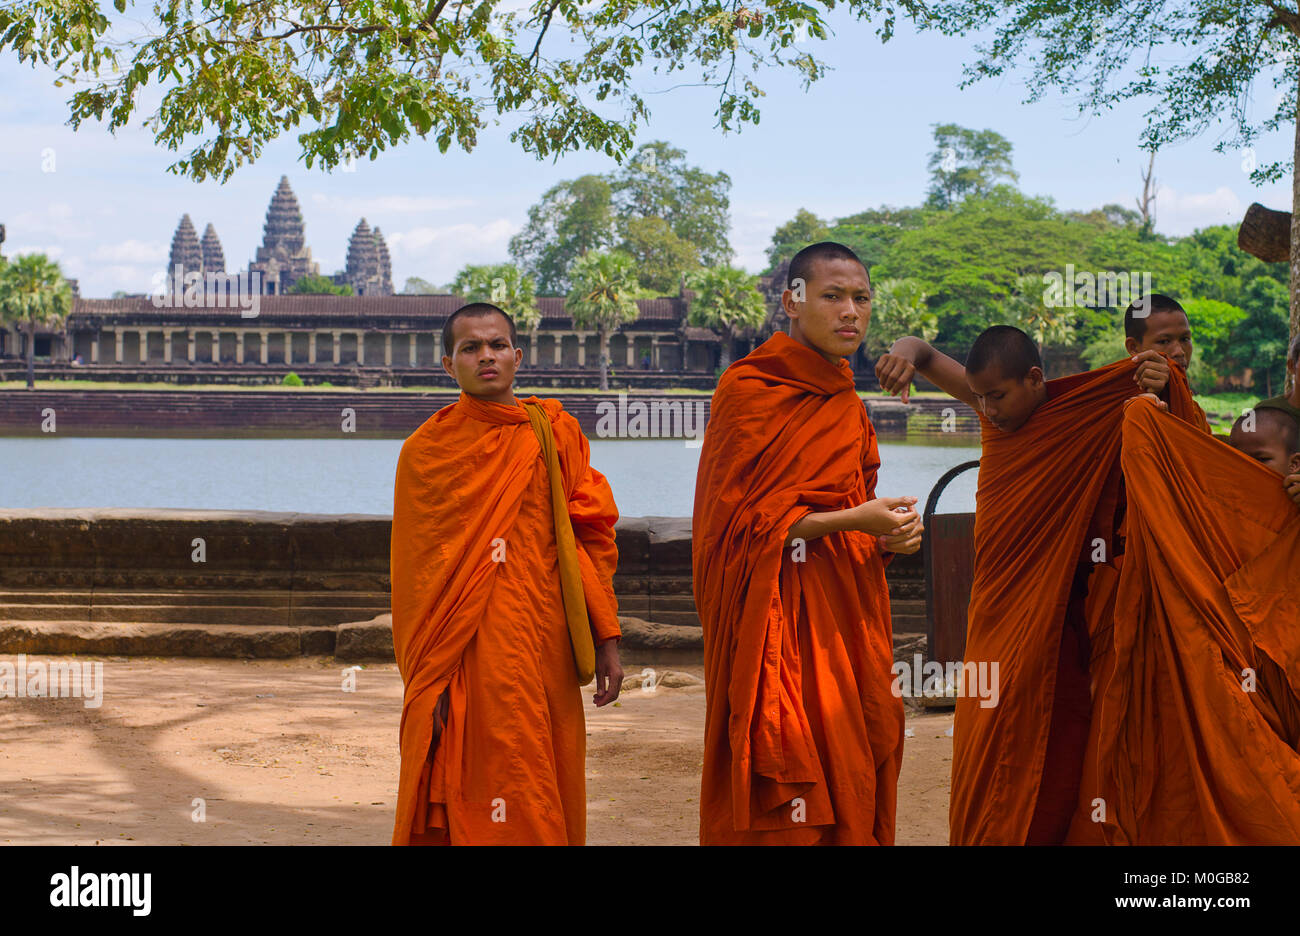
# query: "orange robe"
(1200, 719)
(803, 735)
(478, 612)
(1046, 511)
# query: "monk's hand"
(887, 516)
(905, 540)
(1291, 484)
(1160, 404)
(1152, 373)
(895, 374)
(609, 673)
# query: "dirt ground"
(278, 753)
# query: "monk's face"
(483, 361)
(1169, 332)
(832, 319)
(1266, 443)
(1008, 402)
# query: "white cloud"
(376, 208)
(53, 251)
(437, 253)
(131, 279)
(132, 251)
(1181, 213)
(56, 219)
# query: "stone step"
(163, 639)
(234, 615)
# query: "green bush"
(292, 380)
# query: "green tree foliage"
(661, 256)
(669, 216)
(657, 183)
(1213, 324)
(985, 262)
(803, 229)
(967, 162)
(218, 80)
(571, 219)
(33, 293)
(1048, 324)
(971, 258)
(899, 307)
(506, 287)
(1196, 63)
(728, 301)
(317, 285)
(415, 286)
(602, 297)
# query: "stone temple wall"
(262, 583)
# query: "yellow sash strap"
(575, 603)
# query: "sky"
(105, 207)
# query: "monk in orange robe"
(1046, 541)
(804, 733)
(1199, 722)
(1158, 335)
(491, 532)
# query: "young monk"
(1045, 527)
(1198, 725)
(503, 605)
(1152, 325)
(1271, 436)
(1289, 403)
(804, 735)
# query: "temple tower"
(284, 257)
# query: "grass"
(1226, 405)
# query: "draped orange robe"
(1046, 515)
(803, 735)
(1200, 718)
(478, 611)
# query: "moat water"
(650, 477)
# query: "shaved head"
(1135, 326)
(473, 310)
(802, 263)
(1275, 424)
(1270, 436)
(1006, 348)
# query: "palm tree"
(1026, 309)
(33, 292)
(899, 307)
(508, 288)
(604, 284)
(726, 300)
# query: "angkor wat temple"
(284, 257)
(372, 338)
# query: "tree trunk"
(31, 354)
(727, 341)
(1266, 234)
(1295, 226)
(604, 358)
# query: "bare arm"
(909, 356)
(878, 517)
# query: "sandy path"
(280, 754)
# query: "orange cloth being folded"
(478, 612)
(803, 735)
(1199, 721)
(1047, 508)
